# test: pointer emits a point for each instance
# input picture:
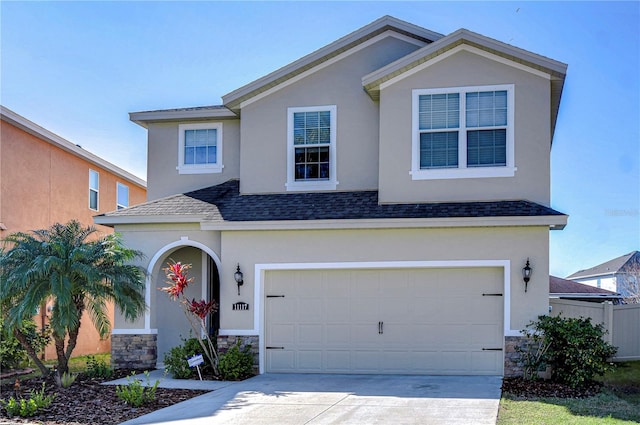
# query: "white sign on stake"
(195, 361)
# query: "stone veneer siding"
(512, 363)
(134, 351)
(227, 341)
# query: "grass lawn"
(76, 365)
(618, 403)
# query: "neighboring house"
(45, 179)
(380, 195)
(570, 290)
(621, 275)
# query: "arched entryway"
(165, 314)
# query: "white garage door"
(405, 321)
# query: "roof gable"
(620, 264)
(234, 99)
(464, 39)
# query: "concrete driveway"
(339, 399)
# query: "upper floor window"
(122, 196)
(94, 187)
(200, 148)
(311, 141)
(463, 132)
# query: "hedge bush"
(573, 347)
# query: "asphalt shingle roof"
(562, 286)
(224, 203)
(616, 265)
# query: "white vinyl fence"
(622, 323)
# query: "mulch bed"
(88, 402)
(520, 388)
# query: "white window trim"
(97, 190)
(199, 168)
(293, 185)
(462, 171)
(118, 204)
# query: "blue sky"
(78, 69)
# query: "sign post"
(196, 361)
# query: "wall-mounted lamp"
(526, 274)
(239, 278)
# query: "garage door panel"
(283, 334)
(434, 321)
(310, 360)
(310, 334)
(312, 308)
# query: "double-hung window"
(122, 196)
(200, 148)
(94, 189)
(311, 143)
(463, 132)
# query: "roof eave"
(42, 133)
(147, 219)
(143, 118)
(553, 222)
(233, 99)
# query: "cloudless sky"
(78, 69)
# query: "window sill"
(463, 173)
(200, 169)
(302, 186)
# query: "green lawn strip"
(76, 365)
(605, 408)
(614, 405)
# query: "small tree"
(573, 347)
(196, 312)
(76, 270)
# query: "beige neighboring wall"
(514, 244)
(42, 184)
(532, 135)
(264, 122)
(162, 146)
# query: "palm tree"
(75, 269)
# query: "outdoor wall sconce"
(526, 274)
(238, 277)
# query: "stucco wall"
(41, 184)
(162, 149)
(531, 139)
(264, 122)
(514, 244)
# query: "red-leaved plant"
(195, 311)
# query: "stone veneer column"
(227, 341)
(512, 363)
(136, 351)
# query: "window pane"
(486, 109)
(94, 180)
(198, 146)
(436, 111)
(311, 163)
(93, 199)
(487, 148)
(122, 196)
(439, 150)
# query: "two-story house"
(45, 179)
(621, 274)
(381, 197)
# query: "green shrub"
(574, 348)
(175, 361)
(98, 368)
(134, 393)
(235, 364)
(12, 354)
(67, 379)
(28, 407)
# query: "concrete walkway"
(333, 399)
